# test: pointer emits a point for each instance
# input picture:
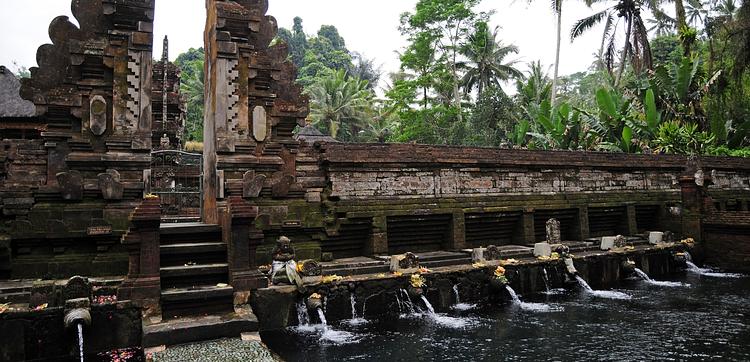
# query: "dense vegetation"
(659, 83)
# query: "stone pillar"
(528, 235)
(692, 201)
(243, 273)
(582, 231)
(213, 104)
(143, 283)
(631, 222)
(378, 243)
(458, 229)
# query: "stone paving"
(223, 350)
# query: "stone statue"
(164, 142)
(553, 231)
(284, 268)
(621, 241)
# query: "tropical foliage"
(667, 77)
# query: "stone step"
(196, 301)
(187, 228)
(19, 297)
(344, 271)
(355, 266)
(187, 330)
(193, 248)
(186, 271)
(440, 259)
(182, 233)
(182, 276)
(173, 255)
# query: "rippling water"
(705, 319)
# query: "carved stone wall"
(73, 189)
(252, 107)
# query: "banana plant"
(615, 124)
(559, 127)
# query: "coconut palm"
(486, 65)
(636, 47)
(339, 104)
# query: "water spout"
(427, 304)
(640, 273)
(303, 317)
(322, 317)
(80, 340)
(531, 307)
(710, 273)
(601, 293)
(461, 306)
(545, 278)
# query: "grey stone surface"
(220, 351)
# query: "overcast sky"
(369, 27)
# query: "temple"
(95, 183)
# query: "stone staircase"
(194, 271)
(197, 301)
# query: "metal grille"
(177, 178)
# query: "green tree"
(438, 29)
(193, 89)
(486, 65)
(339, 104)
(636, 47)
(493, 118)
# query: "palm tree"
(192, 88)
(636, 47)
(340, 103)
(486, 64)
(557, 8)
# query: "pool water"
(695, 317)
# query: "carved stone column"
(242, 241)
(143, 283)
(692, 200)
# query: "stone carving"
(492, 253)
(76, 288)
(409, 261)
(71, 185)
(620, 241)
(252, 184)
(164, 142)
(109, 183)
(260, 122)
(98, 115)
(284, 269)
(553, 232)
(311, 268)
(281, 184)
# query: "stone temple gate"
(76, 193)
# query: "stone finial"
(165, 52)
(553, 231)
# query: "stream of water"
(707, 321)
(80, 340)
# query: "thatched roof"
(311, 135)
(11, 104)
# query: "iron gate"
(177, 178)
